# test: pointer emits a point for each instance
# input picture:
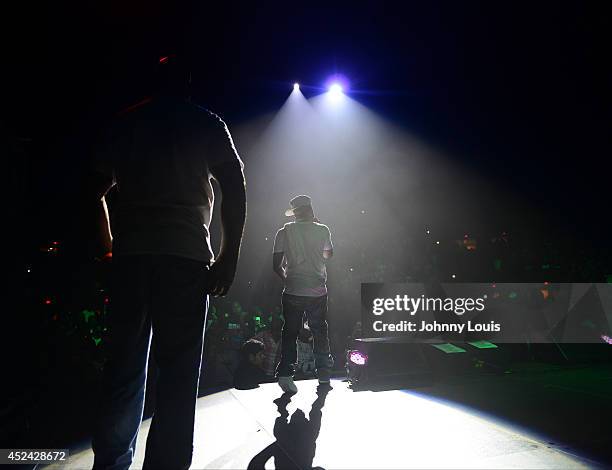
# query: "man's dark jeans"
(315, 309)
(166, 294)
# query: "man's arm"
(328, 248)
(99, 185)
(277, 265)
(278, 254)
(231, 181)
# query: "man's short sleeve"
(221, 148)
(279, 241)
(328, 242)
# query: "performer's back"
(301, 249)
(303, 244)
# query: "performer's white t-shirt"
(302, 244)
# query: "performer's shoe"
(324, 376)
(286, 384)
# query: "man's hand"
(220, 277)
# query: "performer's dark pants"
(315, 309)
(165, 294)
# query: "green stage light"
(482, 344)
(449, 348)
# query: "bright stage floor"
(358, 430)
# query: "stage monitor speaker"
(387, 362)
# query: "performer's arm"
(328, 248)
(277, 265)
(278, 256)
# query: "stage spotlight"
(296, 87)
(336, 91)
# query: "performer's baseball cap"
(297, 202)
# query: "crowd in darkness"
(70, 302)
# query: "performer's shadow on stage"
(296, 438)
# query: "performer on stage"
(301, 249)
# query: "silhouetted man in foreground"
(162, 154)
(301, 249)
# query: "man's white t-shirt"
(302, 244)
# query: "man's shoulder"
(204, 114)
(160, 105)
(307, 226)
(322, 227)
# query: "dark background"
(519, 92)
